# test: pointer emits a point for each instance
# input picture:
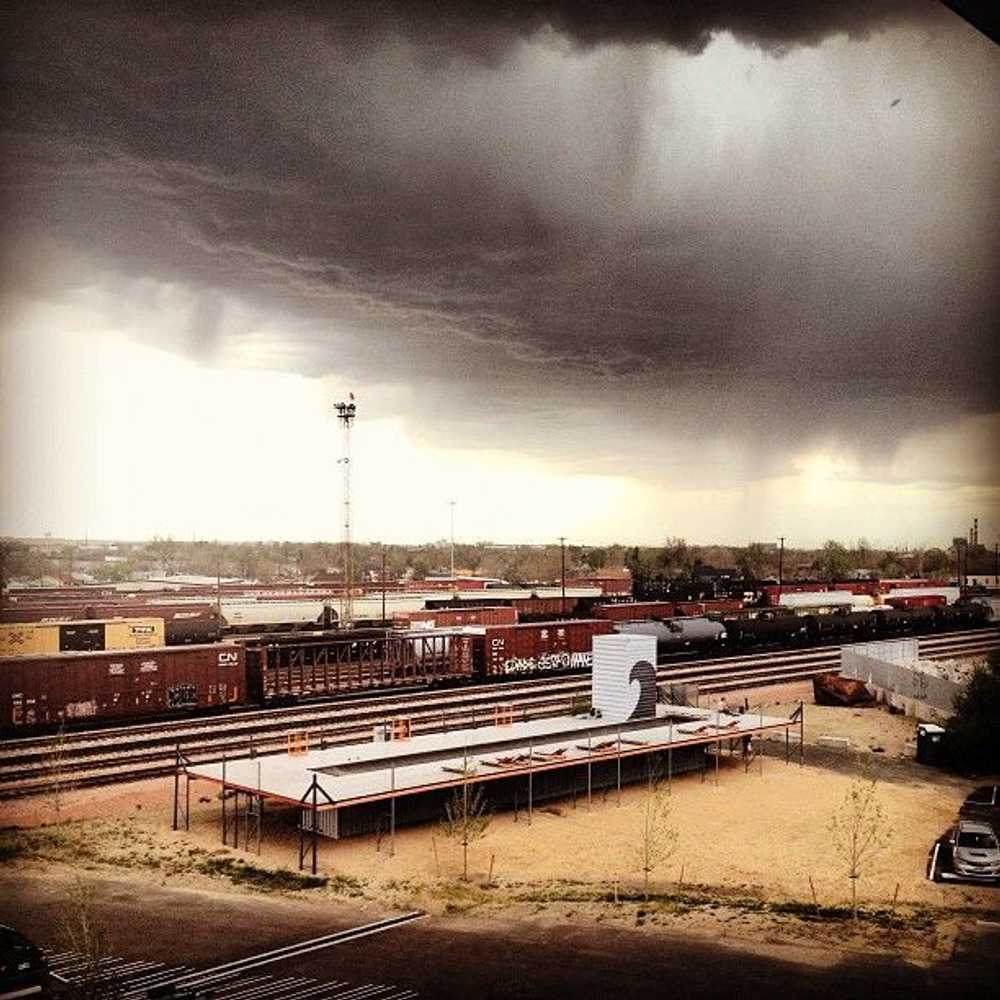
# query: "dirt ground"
(757, 835)
(867, 728)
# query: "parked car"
(975, 852)
(983, 804)
(23, 968)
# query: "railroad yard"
(499, 501)
(743, 770)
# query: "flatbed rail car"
(291, 671)
(46, 691)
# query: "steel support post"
(618, 750)
(177, 785)
(590, 781)
(260, 808)
(802, 734)
(760, 738)
(315, 831)
(392, 811)
(670, 757)
(223, 798)
(531, 775)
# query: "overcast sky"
(620, 275)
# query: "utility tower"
(451, 504)
(346, 413)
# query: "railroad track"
(32, 765)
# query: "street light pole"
(781, 563)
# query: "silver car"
(975, 851)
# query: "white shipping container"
(613, 692)
(826, 599)
(950, 594)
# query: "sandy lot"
(753, 850)
(764, 832)
(866, 728)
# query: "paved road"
(452, 958)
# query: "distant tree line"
(655, 568)
(674, 560)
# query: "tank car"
(676, 635)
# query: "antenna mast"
(345, 414)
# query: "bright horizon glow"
(124, 441)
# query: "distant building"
(610, 583)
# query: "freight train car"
(678, 635)
(32, 638)
(183, 623)
(455, 617)
(771, 626)
(118, 684)
(283, 672)
(509, 650)
(634, 611)
(709, 607)
(278, 616)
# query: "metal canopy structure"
(321, 783)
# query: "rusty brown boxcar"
(311, 669)
(456, 617)
(505, 650)
(720, 606)
(917, 601)
(634, 611)
(119, 684)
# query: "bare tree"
(57, 773)
(466, 820)
(657, 838)
(860, 831)
(82, 931)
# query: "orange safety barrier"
(401, 729)
(298, 744)
(503, 715)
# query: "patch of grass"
(262, 879)
(11, 849)
(346, 884)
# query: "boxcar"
(119, 684)
(183, 622)
(505, 650)
(719, 606)
(38, 638)
(634, 611)
(917, 601)
(456, 617)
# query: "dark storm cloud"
(486, 28)
(438, 195)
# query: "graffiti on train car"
(548, 661)
(182, 695)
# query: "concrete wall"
(893, 673)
